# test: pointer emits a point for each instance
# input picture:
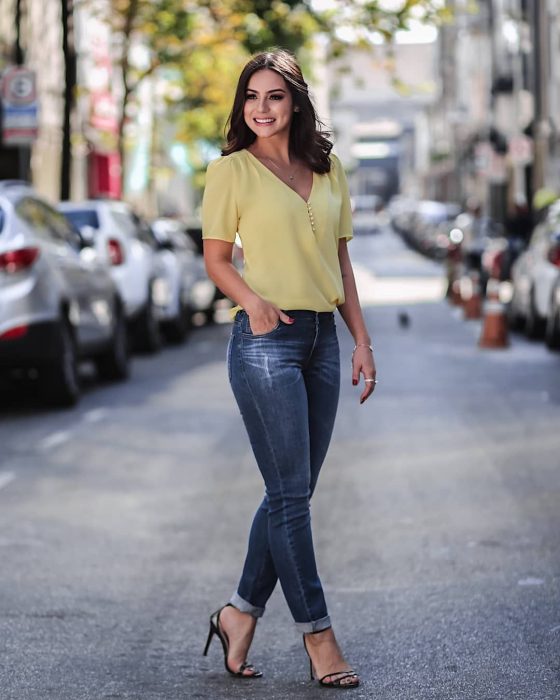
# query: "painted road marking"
(375, 290)
(6, 478)
(530, 581)
(54, 440)
(95, 415)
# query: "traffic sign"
(19, 106)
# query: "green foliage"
(199, 46)
(287, 23)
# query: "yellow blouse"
(290, 246)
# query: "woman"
(279, 188)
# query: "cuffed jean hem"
(316, 626)
(243, 606)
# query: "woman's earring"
(296, 109)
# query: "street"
(123, 522)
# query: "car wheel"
(552, 332)
(177, 330)
(515, 320)
(147, 333)
(114, 363)
(209, 316)
(61, 381)
(534, 324)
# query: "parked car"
(420, 223)
(368, 215)
(479, 244)
(188, 290)
(552, 330)
(58, 302)
(535, 277)
(130, 250)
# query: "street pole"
(18, 51)
(16, 160)
(540, 82)
(69, 54)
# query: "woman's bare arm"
(362, 358)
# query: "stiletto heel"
(311, 675)
(222, 636)
(340, 675)
(210, 635)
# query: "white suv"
(131, 251)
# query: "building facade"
(375, 100)
(40, 41)
(498, 105)
(93, 120)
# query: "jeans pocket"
(247, 331)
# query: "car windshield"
(432, 211)
(82, 217)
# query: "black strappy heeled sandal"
(222, 636)
(340, 676)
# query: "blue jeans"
(286, 383)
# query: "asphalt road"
(123, 522)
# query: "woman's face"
(268, 106)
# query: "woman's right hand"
(263, 316)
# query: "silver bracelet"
(362, 345)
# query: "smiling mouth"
(264, 121)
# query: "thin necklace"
(290, 176)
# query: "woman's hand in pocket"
(264, 317)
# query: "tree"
(261, 24)
(166, 28)
(201, 44)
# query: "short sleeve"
(345, 222)
(220, 216)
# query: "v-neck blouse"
(290, 246)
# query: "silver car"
(130, 251)
(188, 290)
(535, 274)
(58, 302)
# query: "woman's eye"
(277, 97)
(250, 97)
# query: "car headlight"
(161, 292)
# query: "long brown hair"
(308, 141)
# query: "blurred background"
(442, 100)
(124, 504)
(443, 113)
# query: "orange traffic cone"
(494, 327)
(471, 296)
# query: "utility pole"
(18, 51)
(15, 161)
(69, 54)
